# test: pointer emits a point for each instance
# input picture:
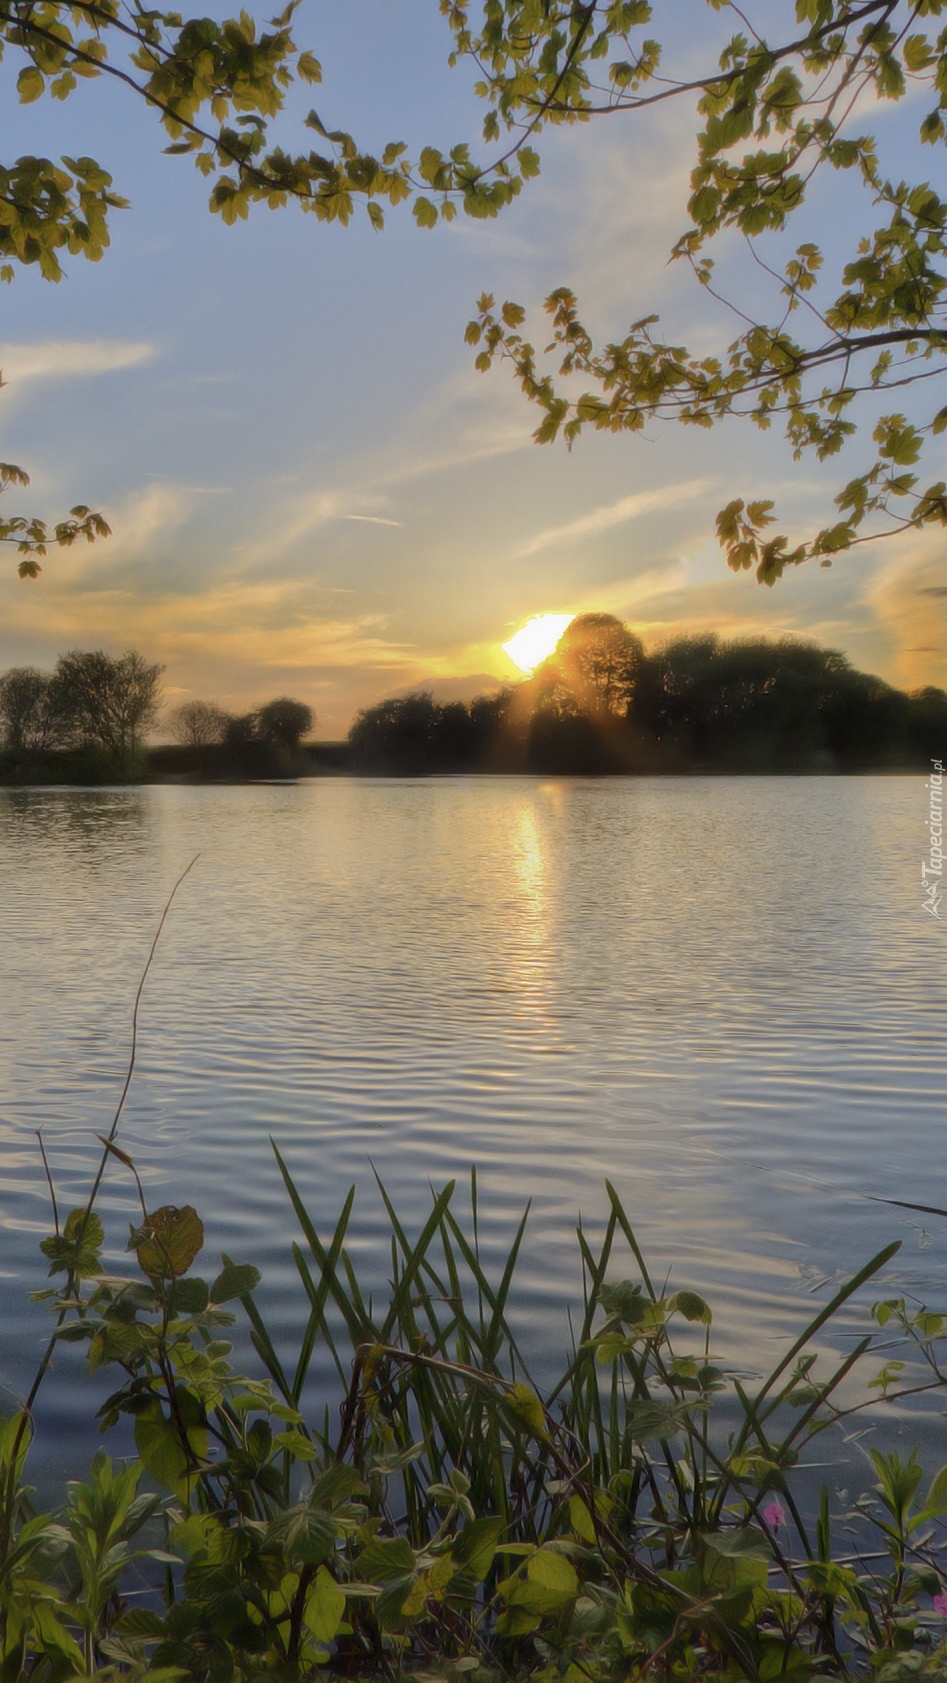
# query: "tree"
(777, 109)
(190, 71)
(27, 711)
(927, 723)
(396, 735)
(413, 734)
(780, 104)
(197, 724)
(284, 722)
(107, 703)
(593, 669)
(240, 730)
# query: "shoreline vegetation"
(648, 1517)
(600, 705)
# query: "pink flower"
(940, 1604)
(775, 1515)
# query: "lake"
(722, 994)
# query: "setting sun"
(529, 646)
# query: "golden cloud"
(909, 597)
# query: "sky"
(311, 489)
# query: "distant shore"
(187, 767)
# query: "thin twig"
(108, 1148)
(107, 1142)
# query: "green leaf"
(76, 1248)
(545, 1584)
(168, 1241)
(237, 1279)
(917, 52)
(936, 1500)
(325, 1606)
(425, 213)
(524, 1409)
(386, 1558)
(30, 85)
(653, 1419)
(160, 1447)
(691, 1306)
(296, 1445)
(703, 205)
(473, 1550)
(191, 1296)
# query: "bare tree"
(197, 724)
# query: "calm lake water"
(723, 994)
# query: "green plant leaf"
(237, 1279)
(168, 1241)
(325, 1606)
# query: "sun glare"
(529, 646)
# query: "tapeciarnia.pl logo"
(932, 870)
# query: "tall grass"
(441, 1512)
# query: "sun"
(529, 646)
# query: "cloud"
(143, 524)
(235, 641)
(613, 514)
(912, 609)
(59, 358)
(478, 442)
(370, 519)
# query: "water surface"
(722, 994)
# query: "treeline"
(215, 744)
(87, 721)
(601, 704)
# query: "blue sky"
(312, 491)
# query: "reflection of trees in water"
(78, 819)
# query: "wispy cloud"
(316, 509)
(62, 358)
(613, 514)
(371, 519)
(236, 641)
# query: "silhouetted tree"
(197, 724)
(395, 735)
(239, 730)
(593, 670)
(926, 722)
(284, 722)
(106, 703)
(751, 703)
(28, 717)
